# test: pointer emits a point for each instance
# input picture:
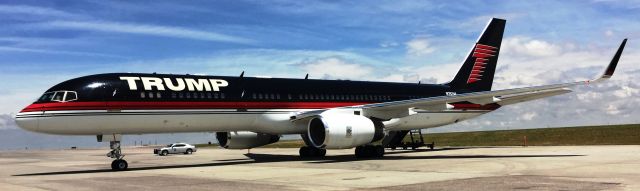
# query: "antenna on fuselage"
(242, 74)
(419, 82)
(306, 77)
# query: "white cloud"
(625, 92)
(419, 47)
(612, 110)
(7, 122)
(336, 68)
(523, 46)
(388, 44)
(144, 29)
(608, 33)
(41, 11)
(528, 116)
(588, 96)
(46, 51)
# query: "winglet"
(614, 62)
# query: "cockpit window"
(46, 96)
(70, 96)
(59, 96)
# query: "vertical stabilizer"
(476, 73)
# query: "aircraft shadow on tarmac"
(253, 158)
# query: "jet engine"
(244, 139)
(343, 131)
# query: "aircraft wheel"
(119, 165)
(379, 151)
(367, 151)
(304, 152)
(321, 152)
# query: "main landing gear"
(370, 151)
(118, 164)
(307, 151)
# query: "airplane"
(248, 112)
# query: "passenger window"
(173, 95)
(222, 95)
(181, 95)
(209, 95)
(216, 95)
(150, 94)
(71, 96)
(158, 95)
(142, 95)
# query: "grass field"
(590, 135)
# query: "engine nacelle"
(343, 131)
(244, 139)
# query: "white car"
(175, 148)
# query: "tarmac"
(467, 168)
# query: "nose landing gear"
(118, 164)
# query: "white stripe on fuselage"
(273, 121)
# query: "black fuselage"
(111, 88)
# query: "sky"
(45, 42)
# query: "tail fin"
(476, 73)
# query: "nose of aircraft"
(27, 120)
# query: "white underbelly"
(165, 121)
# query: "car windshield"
(169, 145)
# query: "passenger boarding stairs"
(395, 139)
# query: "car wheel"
(165, 153)
(189, 151)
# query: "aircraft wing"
(396, 109)
(502, 97)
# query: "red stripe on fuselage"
(117, 105)
(491, 106)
